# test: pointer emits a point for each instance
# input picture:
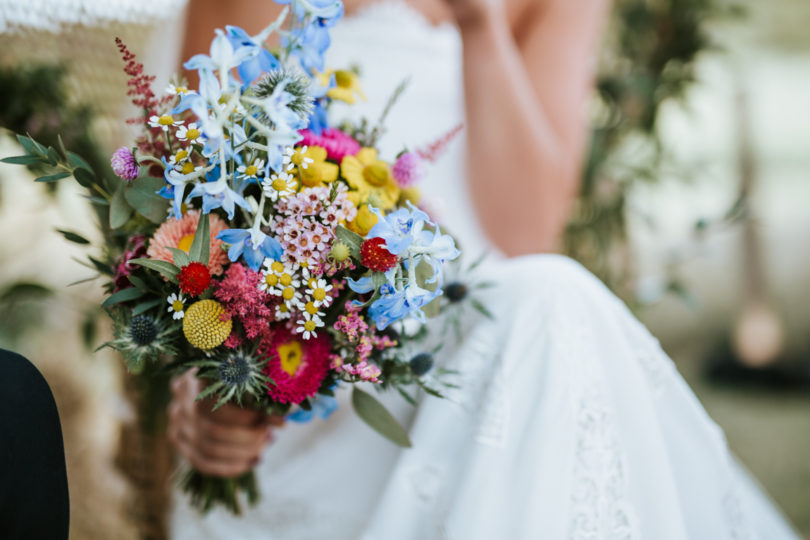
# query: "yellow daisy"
(347, 85)
(318, 171)
(371, 177)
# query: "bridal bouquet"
(250, 239)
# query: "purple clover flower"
(408, 169)
(124, 164)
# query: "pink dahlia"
(179, 233)
(124, 164)
(408, 169)
(336, 143)
(297, 367)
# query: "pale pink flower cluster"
(306, 221)
(361, 370)
(351, 323)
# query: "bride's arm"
(526, 94)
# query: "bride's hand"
(226, 442)
(469, 12)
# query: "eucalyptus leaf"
(84, 177)
(73, 237)
(376, 416)
(77, 161)
(146, 306)
(138, 282)
(142, 195)
(52, 177)
(202, 241)
(120, 210)
(102, 267)
(53, 156)
(167, 269)
(21, 160)
(181, 258)
(125, 295)
(27, 143)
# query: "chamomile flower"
(179, 157)
(271, 272)
(310, 308)
(308, 325)
(178, 90)
(319, 291)
(296, 157)
(189, 133)
(289, 294)
(163, 122)
(283, 312)
(177, 306)
(279, 185)
(252, 171)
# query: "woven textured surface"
(80, 35)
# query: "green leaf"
(481, 308)
(181, 258)
(351, 239)
(120, 211)
(146, 306)
(21, 160)
(28, 144)
(424, 272)
(142, 195)
(138, 282)
(24, 290)
(202, 240)
(376, 416)
(101, 267)
(84, 177)
(77, 161)
(73, 237)
(52, 177)
(167, 269)
(53, 156)
(125, 295)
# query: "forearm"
(524, 166)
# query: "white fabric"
(569, 423)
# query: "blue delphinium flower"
(310, 41)
(399, 229)
(251, 68)
(251, 244)
(322, 406)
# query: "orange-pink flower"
(179, 233)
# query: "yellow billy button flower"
(370, 176)
(364, 221)
(203, 325)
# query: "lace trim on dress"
(600, 507)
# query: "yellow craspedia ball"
(412, 194)
(203, 325)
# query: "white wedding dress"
(569, 423)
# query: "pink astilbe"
(351, 324)
(240, 296)
(434, 150)
(152, 143)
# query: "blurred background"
(693, 210)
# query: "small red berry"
(194, 278)
(375, 256)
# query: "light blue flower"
(251, 244)
(323, 407)
(218, 194)
(251, 68)
(399, 229)
(435, 248)
(323, 9)
(222, 56)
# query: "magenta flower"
(336, 143)
(408, 169)
(124, 164)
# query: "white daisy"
(311, 308)
(283, 312)
(253, 171)
(180, 157)
(163, 122)
(279, 185)
(319, 291)
(308, 325)
(178, 90)
(296, 158)
(272, 271)
(176, 305)
(189, 133)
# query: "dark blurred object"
(783, 375)
(34, 100)
(21, 308)
(649, 60)
(33, 491)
